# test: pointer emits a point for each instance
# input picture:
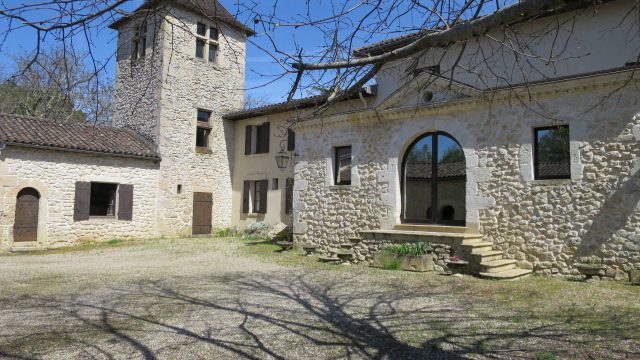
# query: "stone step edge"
(422, 233)
(498, 263)
(512, 274)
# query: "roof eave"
(83, 151)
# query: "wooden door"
(202, 206)
(25, 227)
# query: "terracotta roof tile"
(29, 131)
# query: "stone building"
(513, 163)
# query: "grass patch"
(391, 263)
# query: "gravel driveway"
(206, 298)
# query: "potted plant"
(590, 267)
(407, 257)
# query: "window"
(203, 129)
(254, 196)
(257, 139)
(342, 168)
(551, 153)
(291, 140)
(199, 48)
(207, 43)
(103, 199)
(139, 42)
(274, 184)
(288, 196)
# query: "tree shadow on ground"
(290, 315)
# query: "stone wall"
(546, 224)
(54, 174)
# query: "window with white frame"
(207, 42)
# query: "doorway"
(25, 227)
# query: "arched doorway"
(25, 227)
(433, 181)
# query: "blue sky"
(260, 67)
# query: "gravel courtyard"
(227, 298)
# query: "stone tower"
(180, 67)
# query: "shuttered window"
(254, 196)
(291, 140)
(103, 199)
(256, 139)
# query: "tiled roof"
(210, 8)
(296, 104)
(40, 133)
(445, 170)
(391, 44)
(384, 46)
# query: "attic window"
(207, 44)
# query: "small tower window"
(139, 42)
(203, 130)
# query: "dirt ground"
(228, 298)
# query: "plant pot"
(419, 263)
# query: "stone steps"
(431, 228)
(513, 274)
(495, 266)
(25, 247)
(481, 258)
(486, 256)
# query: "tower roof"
(209, 8)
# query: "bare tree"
(448, 29)
(56, 85)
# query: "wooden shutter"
(288, 196)
(125, 202)
(264, 186)
(291, 140)
(247, 140)
(245, 196)
(264, 135)
(82, 201)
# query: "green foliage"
(547, 356)
(391, 263)
(452, 155)
(419, 248)
(113, 242)
(225, 232)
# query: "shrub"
(225, 232)
(391, 263)
(419, 248)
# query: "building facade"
(516, 163)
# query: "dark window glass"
(134, 49)
(552, 155)
(213, 33)
(212, 53)
(260, 196)
(202, 137)
(200, 48)
(203, 115)
(103, 199)
(274, 185)
(143, 39)
(343, 166)
(202, 29)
